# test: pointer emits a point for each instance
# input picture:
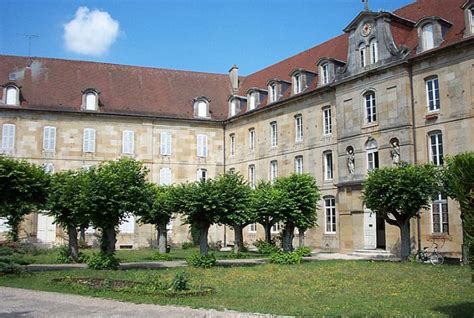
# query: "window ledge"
(439, 236)
(432, 115)
(365, 126)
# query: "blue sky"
(207, 35)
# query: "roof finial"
(366, 5)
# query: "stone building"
(394, 86)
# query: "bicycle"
(434, 257)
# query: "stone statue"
(395, 152)
(350, 160)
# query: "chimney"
(234, 78)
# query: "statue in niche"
(350, 160)
(395, 152)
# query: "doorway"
(381, 232)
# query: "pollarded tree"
(201, 204)
(23, 188)
(66, 203)
(304, 193)
(459, 181)
(160, 213)
(237, 210)
(270, 205)
(116, 189)
(399, 193)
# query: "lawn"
(330, 288)
(48, 256)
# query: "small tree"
(201, 204)
(160, 213)
(398, 194)
(237, 210)
(23, 188)
(66, 204)
(116, 189)
(304, 193)
(459, 183)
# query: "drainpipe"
(223, 147)
(412, 94)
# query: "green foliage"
(188, 245)
(63, 256)
(162, 257)
(102, 261)
(202, 261)
(286, 258)
(238, 255)
(23, 188)
(11, 260)
(303, 251)
(162, 207)
(266, 248)
(180, 282)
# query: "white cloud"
(90, 32)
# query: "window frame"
(362, 55)
(90, 147)
(330, 214)
(299, 162)
(433, 102)
(328, 166)
(325, 73)
(252, 139)
(49, 143)
(440, 201)
(163, 176)
(95, 95)
(130, 148)
(201, 108)
(427, 45)
(202, 146)
(252, 177)
(232, 144)
(233, 107)
(273, 170)
(370, 106)
(272, 89)
(436, 157)
(372, 157)
(374, 51)
(165, 143)
(15, 89)
(273, 134)
(201, 174)
(298, 128)
(327, 121)
(297, 83)
(252, 228)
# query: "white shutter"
(49, 138)
(4, 225)
(165, 144)
(89, 140)
(8, 137)
(165, 176)
(12, 96)
(202, 145)
(128, 225)
(128, 142)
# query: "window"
(202, 108)
(299, 164)
(273, 93)
(165, 143)
(165, 176)
(298, 128)
(128, 225)
(128, 142)
(49, 138)
(201, 174)
(252, 177)
(370, 107)
(362, 56)
(201, 145)
(471, 19)
(251, 139)
(253, 228)
(328, 169)
(90, 100)
(439, 214)
(436, 148)
(297, 84)
(273, 170)
(8, 137)
(330, 214)
(432, 94)
(232, 144)
(273, 134)
(374, 52)
(233, 107)
(89, 140)
(275, 228)
(325, 73)
(372, 155)
(428, 38)
(252, 100)
(12, 96)
(48, 168)
(327, 124)
(4, 225)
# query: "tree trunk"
(268, 232)
(203, 246)
(288, 235)
(405, 246)
(301, 237)
(162, 238)
(238, 238)
(82, 235)
(14, 231)
(108, 240)
(73, 245)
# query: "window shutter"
(8, 137)
(165, 176)
(202, 145)
(128, 142)
(49, 138)
(89, 140)
(165, 144)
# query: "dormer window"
(431, 31)
(12, 95)
(428, 38)
(252, 101)
(90, 100)
(297, 85)
(201, 107)
(374, 51)
(362, 55)
(233, 107)
(272, 92)
(471, 19)
(468, 8)
(325, 73)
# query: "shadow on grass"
(457, 310)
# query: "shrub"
(203, 261)
(187, 245)
(285, 258)
(64, 257)
(103, 261)
(238, 255)
(161, 257)
(6, 251)
(180, 282)
(11, 260)
(265, 247)
(303, 251)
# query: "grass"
(329, 288)
(48, 256)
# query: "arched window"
(272, 89)
(233, 107)
(90, 100)
(374, 51)
(372, 155)
(436, 147)
(370, 107)
(362, 55)
(330, 214)
(201, 107)
(428, 37)
(252, 101)
(297, 84)
(12, 95)
(325, 73)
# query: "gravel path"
(16, 302)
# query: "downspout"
(412, 94)
(223, 147)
